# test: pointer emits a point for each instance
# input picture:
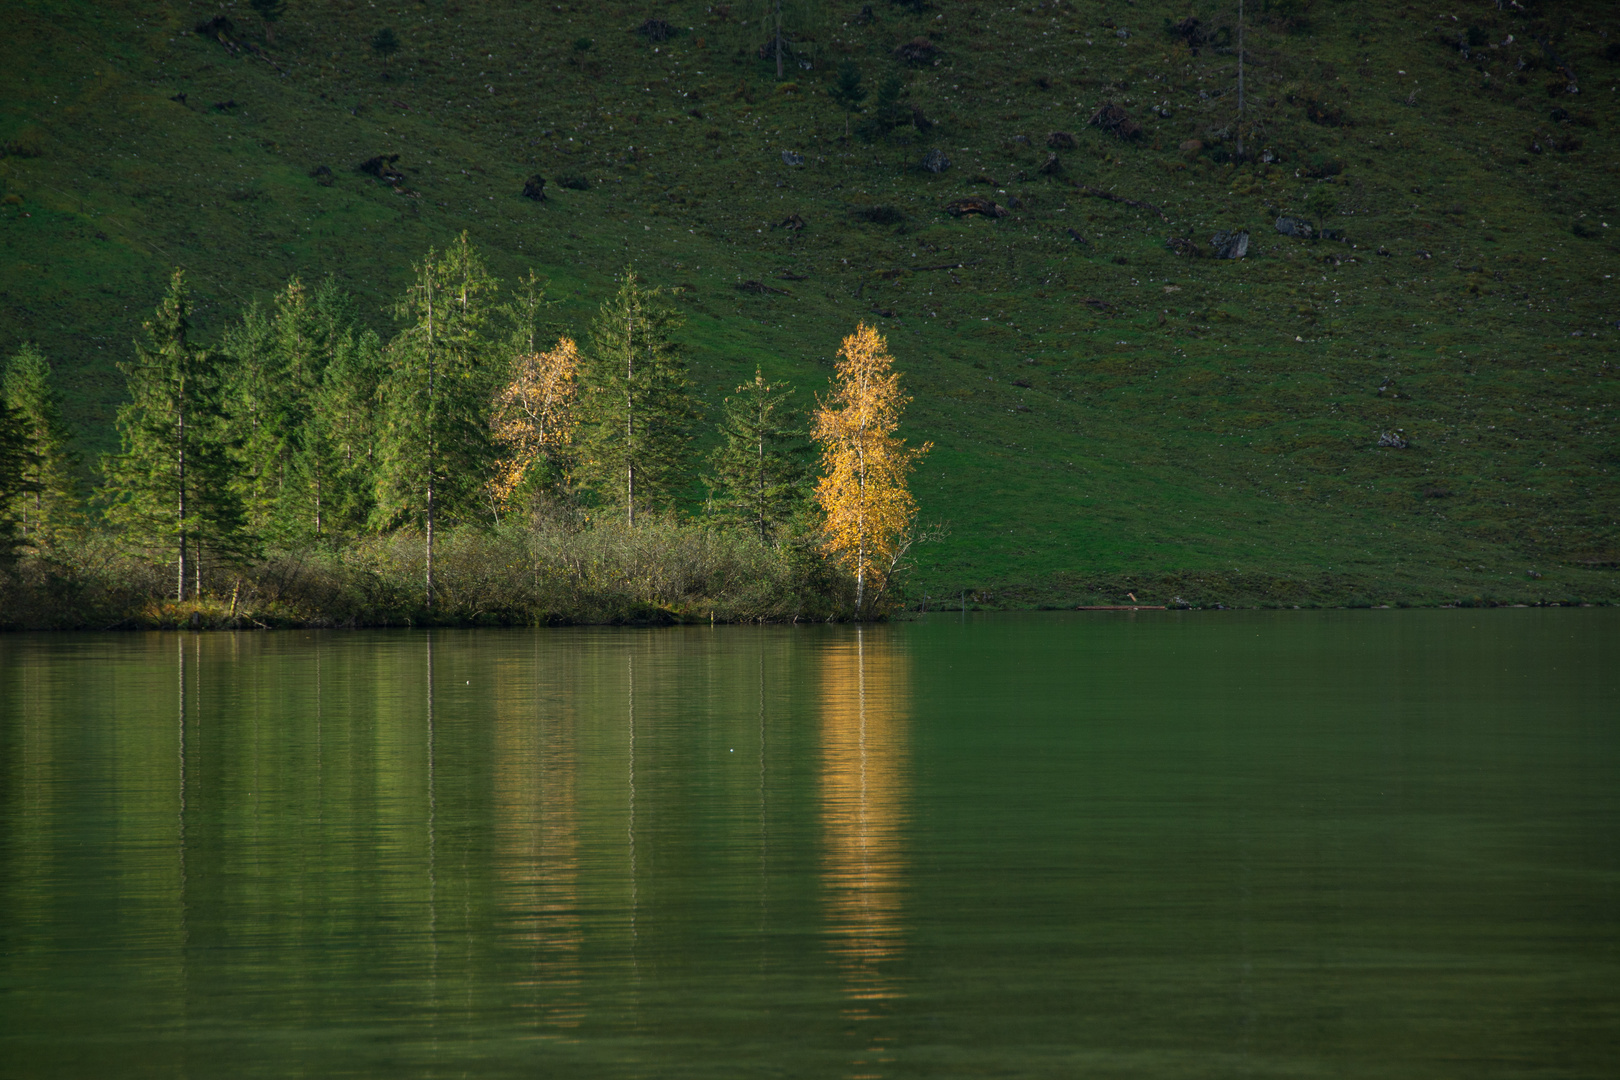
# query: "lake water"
(1338, 844)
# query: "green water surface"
(1301, 844)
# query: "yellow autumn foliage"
(533, 414)
(862, 490)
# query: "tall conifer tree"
(17, 460)
(299, 414)
(437, 453)
(50, 511)
(348, 422)
(635, 406)
(758, 470)
(169, 485)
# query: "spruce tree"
(635, 406)
(347, 419)
(275, 370)
(17, 460)
(169, 485)
(758, 471)
(301, 418)
(436, 450)
(50, 511)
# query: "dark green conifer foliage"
(275, 371)
(385, 44)
(848, 91)
(436, 450)
(887, 112)
(51, 510)
(169, 486)
(269, 11)
(17, 460)
(300, 414)
(349, 424)
(635, 404)
(758, 471)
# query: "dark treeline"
(477, 466)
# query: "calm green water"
(1358, 844)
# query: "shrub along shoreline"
(534, 574)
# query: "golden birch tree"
(870, 511)
(533, 416)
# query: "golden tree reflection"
(537, 839)
(864, 780)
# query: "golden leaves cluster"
(863, 493)
(533, 414)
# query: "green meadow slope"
(1108, 414)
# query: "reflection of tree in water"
(537, 841)
(864, 776)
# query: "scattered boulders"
(1229, 245)
(1051, 166)
(935, 161)
(574, 182)
(974, 204)
(1060, 140)
(880, 215)
(1393, 440)
(656, 30)
(1542, 141)
(322, 175)
(918, 51)
(759, 288)
(1184, 246)
(1297, 227)
(790, 158)
(535, 188)
(1116, 121)
(382, 167)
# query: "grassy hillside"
(1108, 414)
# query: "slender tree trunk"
(431, 441)
(779, 39)
(759, 484)
(180, 509)
(629, 421)
(1240, 82)
(860, 530)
